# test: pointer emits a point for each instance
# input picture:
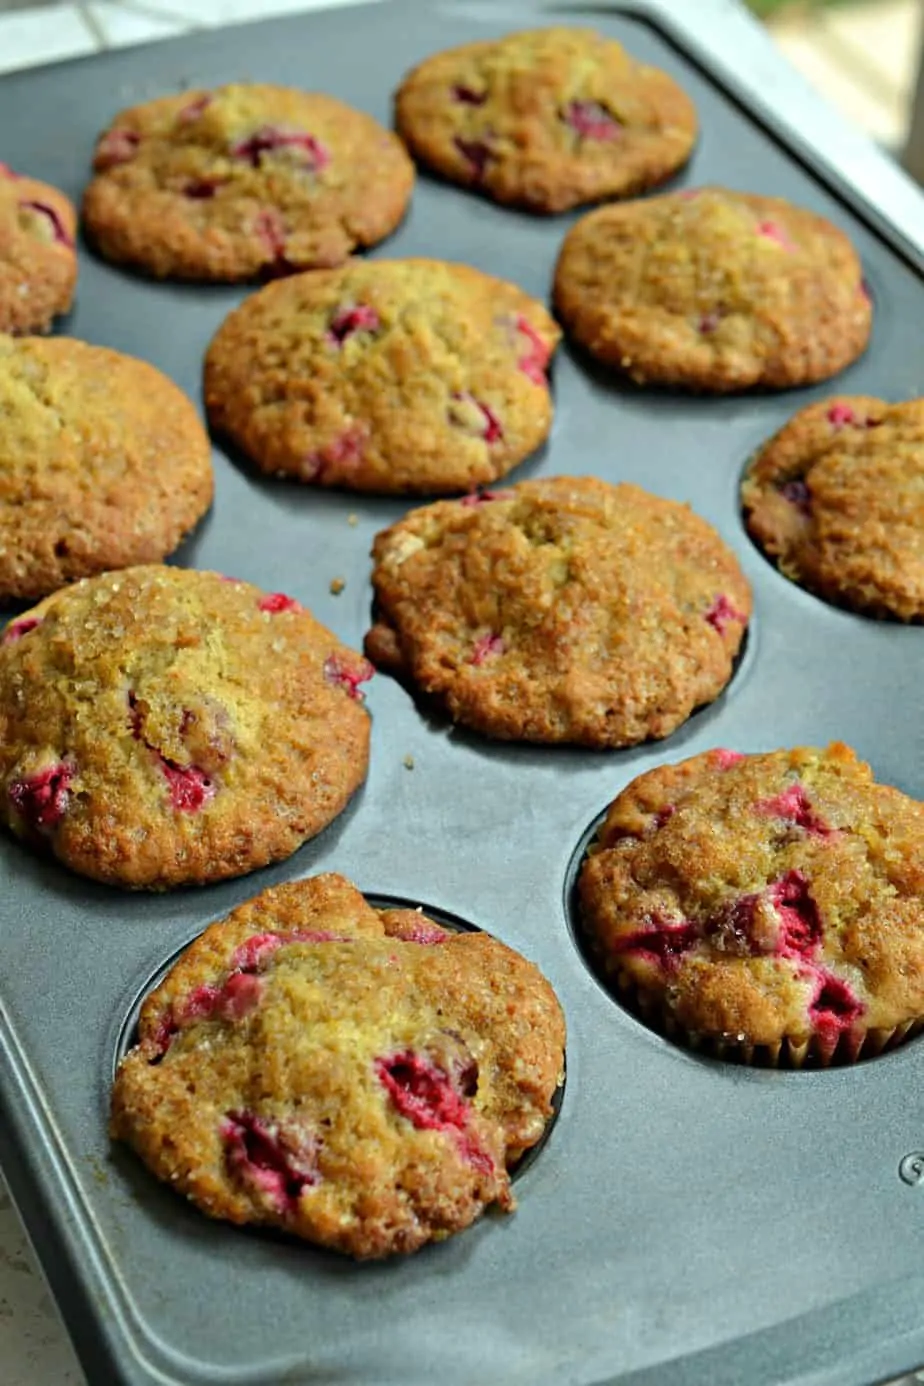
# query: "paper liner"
(807, 1051)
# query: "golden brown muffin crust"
(770, 904)
(242, 181)
(103, 464)
(835, 499)
(38, 261)
(565, 610)
(164, 727)
(363, 1079)
(713, 290)
(546, 119)
(386, 375)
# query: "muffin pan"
(687, 1221)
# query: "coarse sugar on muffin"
(103, 463)
(163, 727)
(244, 181)
(38, 259)
(714, 290)
(385, 375)
(361, 1078)
(546, 119)
(560, 610)
(766, 907)
(836, 500)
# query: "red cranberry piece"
(193, 110)
(190, 788)
(235, 998)
(800, 922)
(202, 189)
(665, 943)
(256, 951)
(485, 647)
(722, 613)
(535, 363)
(163, 1035)
(279, 1159)
(772, 231)
(422, 1092)
(724, 759)
(42, 799)
(840, 414)
(53, 221)
(793, 805)
(269, 138)
(477, 498)
(732, 927)
(348, 675)
(468, 96)
(591, 121)
(423, 932)
(348, 448)
(476, 154)
(17, 629)
(278, 601)
(270, 227)
(709, 322)
(833, 1007)
(117, 147)
(347, 321)
(797, 493)
(475, 417)
(345, 451)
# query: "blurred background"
(864, 55)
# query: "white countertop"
(34, 1348)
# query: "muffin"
(713, 290)
(360, 1078)
(244, 181)
(385, 375)
(163, 727)
(835, 500)
(766, 908)
(103, 460)
(38, 259)
(562, 610)
(546, 119)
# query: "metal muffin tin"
(688, 1221)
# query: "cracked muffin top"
(163, 727)
(103, 464)
(38, 258)
(244, 181)
(546, 119)
(385, 375)
(361, 1078)
(565, 610)
(714, 290)
(767, 906)
(835, 500)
